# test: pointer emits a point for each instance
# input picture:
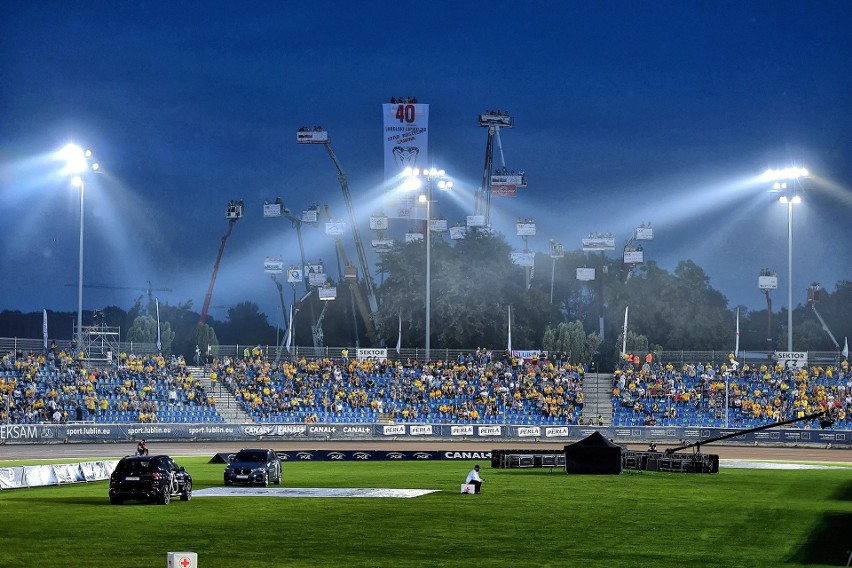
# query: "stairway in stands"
(597, 390)
(226, 404)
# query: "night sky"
(625, 113)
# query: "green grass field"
(530, 517)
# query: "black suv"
(149, 478)
(254, 466)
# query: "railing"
(26, 345)
(821, 358)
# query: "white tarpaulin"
(311, 492)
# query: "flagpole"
(44, 327)
(159, 344)
(509, 346)
(737, 346)
(399, 336)
(624, 331)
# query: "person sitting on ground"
(474, 479)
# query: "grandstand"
(465, 391)
(471, 388)
(731, 397)
(55, 388)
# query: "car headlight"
(259, 470)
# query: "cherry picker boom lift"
(319, 136)
(234, 214)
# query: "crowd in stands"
(476, 388)
(648, 393)
(472, 389)
(54, 387)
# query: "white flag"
(44, 327)
(399, 337)
(624, 331)
(845, 351)
(737, 346)
(159, 345)
(289, 331)
(510, 331)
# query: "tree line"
(473, 283)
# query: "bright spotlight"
(75, 158)
(449, 185)
(88, 153)
(96, 166)
(433, 172)
(415, 172)
(76, 181)
(422, 198)
(786, 173)
(442, 173)
(410, 184)
(407, 172)
(442, 184)
(782, 199)
(797, 199)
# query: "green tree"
(205, 337)
(245, 325)
(472, 284)
(144, 330)
(571, 338)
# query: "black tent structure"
(593, 455)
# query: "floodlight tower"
(78, 162)
(500, 181)
(416, 179)
(766, 282)
(786, 181)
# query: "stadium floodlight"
(414, 180)
(784, 174)
(78, 162)
(75, 159)
(789, 198)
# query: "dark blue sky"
(624, 113)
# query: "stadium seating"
(718, 396)
(55, 388)
(362, 392)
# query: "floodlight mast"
(320, 136)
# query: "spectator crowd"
(475, 388)
(53, 387)
(647, 393)
(472, 389)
